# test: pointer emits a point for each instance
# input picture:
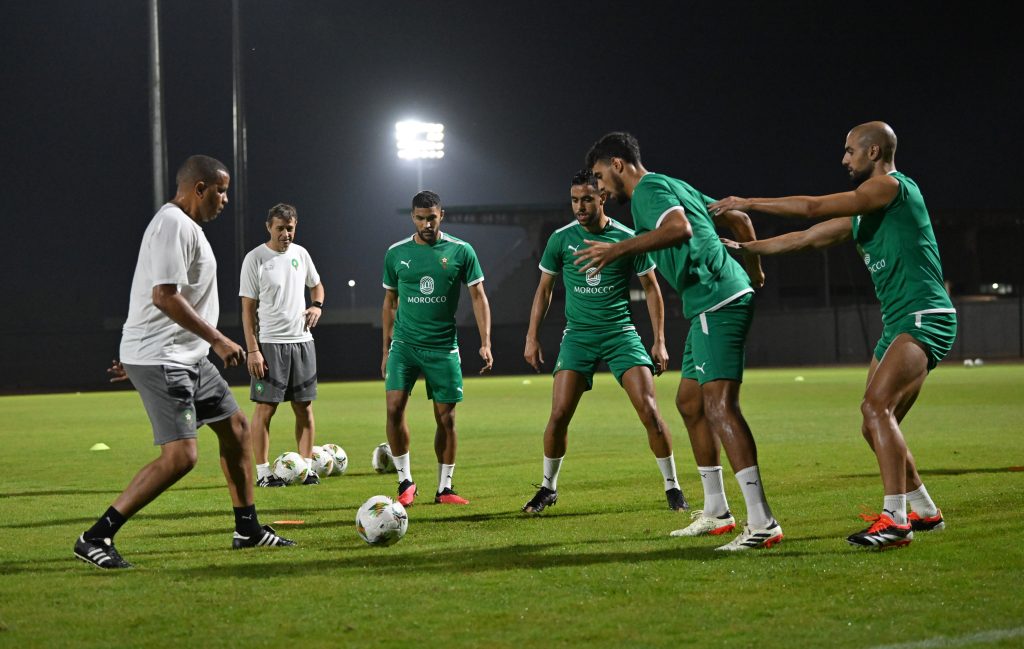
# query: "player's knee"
(182, 459)
(648, 413)
(873, 409)
(445, 420)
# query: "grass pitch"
(598, 569)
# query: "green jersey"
(593, 300)
(700, 269)
(898, 247)
(429, 281)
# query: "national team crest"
(444, 263)
(593, 277)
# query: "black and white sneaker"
(311, 478)
(543, 498)
(266, 538)
(676, 500)
(100, 553)
(271, 481)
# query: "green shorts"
(935, 330)
(717, 341)
(441, 370)
(622, 349)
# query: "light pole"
(418, 141)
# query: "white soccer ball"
(382, 460)
(340, 458)
(291, 467)
(382, 521)
(323, 461)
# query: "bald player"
(171, 326)
(887, 219)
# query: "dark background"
(735, 97)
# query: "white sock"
(263, 471)
(922, 503)
(715, 503)
(552, 465)
(896, 508)
(309, 464)
(759, 515)
(444, 476)
(667, 466)
(402, 467)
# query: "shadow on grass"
(953, 471)
(82, 492)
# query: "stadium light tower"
(419, 141)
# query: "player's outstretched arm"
(387, 321)
(541, 302)
(673, 230)
(820, 235)
(482, 312)
(656, 309)
(743, 230)
(872, 195)
(167, 298)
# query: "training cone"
(100, 446)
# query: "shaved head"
(878, 134)
(200, 168)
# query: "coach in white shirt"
(171, 326)
(277, 323)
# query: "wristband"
(255, 351)
(319, 305)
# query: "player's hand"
(728, 203)
(733, 245)
(312, 316)
(485, 353)
(116, 372)
(597, 255)
(533, 354)
(256, 364)
(230, 352)
(659, 354)
(384, 365)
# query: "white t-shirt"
(174, 250)
(278, 281)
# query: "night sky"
(736, 98)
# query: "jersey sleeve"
(171, 249)
(652, 200)
(312, 277)
(551, 259)
(472, 273)
(249, 281)
(390, 280)
(643, 264)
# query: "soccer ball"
(340, 458)
(291, 467)
(382, 460)
(323, 461)
(382, 521)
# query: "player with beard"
(598, 328)
(886, 217)
(673, 224)
(423, 277)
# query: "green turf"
(598, 569)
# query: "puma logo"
(109, 522)
(754, 483)
(405, 263)
(248, 518)
(700, 368)
(573, 248)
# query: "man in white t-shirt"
(171, 326)
(281, 357)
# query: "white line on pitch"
(940, 642)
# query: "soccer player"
(886, 217)
(423, 276)
(673, 223)
(598, 328)
(171, 326)
(277, 324)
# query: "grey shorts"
(179, 400)
(291, 374)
